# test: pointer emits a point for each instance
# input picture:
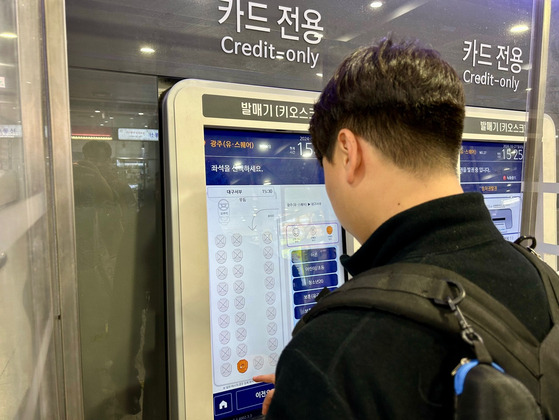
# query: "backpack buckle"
(467, 332)
(449, 301)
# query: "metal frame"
(31, 91)
(536, 99)
(48, 157)
(63, 204)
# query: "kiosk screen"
(274, 244)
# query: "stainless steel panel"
(63, 207)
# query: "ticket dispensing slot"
(502, 218)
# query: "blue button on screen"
(223, 404)
(302, 310)
(309, 255)
(252, 397)
(315, 282)
(300, 298)
(314, 268)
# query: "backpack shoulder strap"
(403, 289)
(419, 292)
(549, 348)
(413, 291)
(549, 277)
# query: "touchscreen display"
(495, 169)
(274, 244)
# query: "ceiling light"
(376, 4)
(147, 50)
(8, 35)
(519, 28)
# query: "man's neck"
(399, 191)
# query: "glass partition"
(30, 385)
(115, 150)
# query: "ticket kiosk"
(491, 162)
(252, 239)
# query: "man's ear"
(350, 153)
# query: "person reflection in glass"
(104, 205)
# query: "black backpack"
(448, 302)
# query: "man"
(387, 129)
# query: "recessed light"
(147, 50)
(376, 4)
(519, 28)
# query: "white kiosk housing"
(252, 239)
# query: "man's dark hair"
(401, 97)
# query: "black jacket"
(365, 364)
